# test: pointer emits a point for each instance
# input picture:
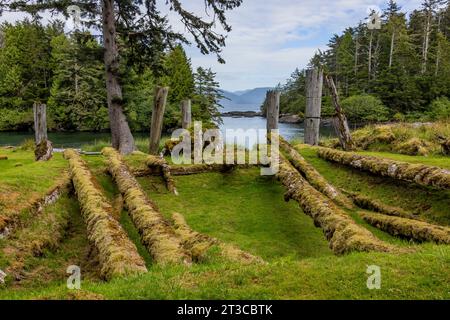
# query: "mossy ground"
(247, 210)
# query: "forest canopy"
(400, 71)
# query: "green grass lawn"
(248, 210)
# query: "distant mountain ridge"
(244, 100)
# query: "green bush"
(365, 108)
(440, 109)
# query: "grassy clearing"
(247, 210)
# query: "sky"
(270, 38)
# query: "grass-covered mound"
(404, 138)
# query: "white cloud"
(270, 38)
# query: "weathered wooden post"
(273, 109)
(159, 106)
(186, 114)
(44, 149)
(314, 84)
(340, 123)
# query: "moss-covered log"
(367, 203)
(156, 233)
(117, 254)
(313, 176)
(343, 234)
(159, 164)
(199, 244)
(184, 170)
(408, 228)
(416, 173)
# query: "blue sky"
(270, 38)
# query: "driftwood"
(313, 176)
(415, 173)
(314, 84)
(408, 228)
(340, 120)
(343, 234)
(157, 234)
(118, 255)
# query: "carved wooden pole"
(314, 84)
(44, 149)
(159, 106)
(273, 109)
(340, 123)
(186, 115)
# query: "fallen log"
(416, 173)
(408, 228)
(367, 203)
(184, 170)
(199, 244)
(343, 234)
(117, 254)
(157, 235)
(3, 157)
(313, 176)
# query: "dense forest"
(66, 71)
(400, 71)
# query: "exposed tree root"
(118, 255)
(161, 165)
(313, 176)
(417, 173)
(408, 228)
(367, 203)
(156, 233)
(199, 244)
(343, 234)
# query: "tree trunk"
(157, 118)
(370, 54)
(356, 57)
(340, 120)
(186, 114)
(391, 53)
(121, 136)
(426, 42)
(314, 85)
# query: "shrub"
(365, 108)
(440, 109)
